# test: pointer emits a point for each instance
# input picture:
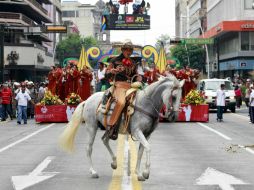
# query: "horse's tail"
(66, 139)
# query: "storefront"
(233, 51)
(25, 72)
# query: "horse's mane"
(161, 80)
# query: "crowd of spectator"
(17, 100)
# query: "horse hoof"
(95, 175)
(146, 175)
(141, 178)
(113, 166)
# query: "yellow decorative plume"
(162, 60)
(83, 60)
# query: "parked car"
(209, 88)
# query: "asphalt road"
(184, 156)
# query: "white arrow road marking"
(215, 177)
(36, 176)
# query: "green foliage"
(196, 55)
(71, 46)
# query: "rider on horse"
(122, 69)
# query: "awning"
(229, 26)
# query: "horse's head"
(171, 97)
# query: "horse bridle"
(171, 107)
(154, 117)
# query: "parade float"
(56, 107)
(68, 86)
(194, 108)
(53, 109)
(66, 81)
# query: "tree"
(196, 54)
(71, 46)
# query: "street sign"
(198, 41)
(55, 29)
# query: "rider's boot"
(113, 132)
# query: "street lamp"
(203, 35)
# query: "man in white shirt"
(220, 102)
(251, 106)
(100, 79)
(22, 98)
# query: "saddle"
(123, 94)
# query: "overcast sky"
(162, 14)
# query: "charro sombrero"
(126, 44)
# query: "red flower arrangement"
(127, 62)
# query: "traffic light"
(215, 67)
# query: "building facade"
(87, 18)
(181, 18)
(231, 24)
(25, 55)
(80, 15)
(103, 37)
(196, 17)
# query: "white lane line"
(214, 131)
(126, 180)
(25, 138)
(242, 116)
(247, 149)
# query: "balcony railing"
(15, 17)
(38, 5)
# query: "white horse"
(142, 123)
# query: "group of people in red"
(190, 76)
(64, 81)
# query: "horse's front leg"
(89, 149)
(141, 138)
(106, 143)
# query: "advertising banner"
(188, 113)
(53, 113)
(127, 22)
(194, 113)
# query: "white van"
(210, 86)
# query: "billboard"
(127, 22)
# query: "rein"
(154, 117)
(145, 112)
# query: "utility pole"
(1, 53)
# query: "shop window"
(245, 42)
(68, 13)
(252, 41)
(77, 13)
(248, 4)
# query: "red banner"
(53, 113)
(194, 113)
(190, 113)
